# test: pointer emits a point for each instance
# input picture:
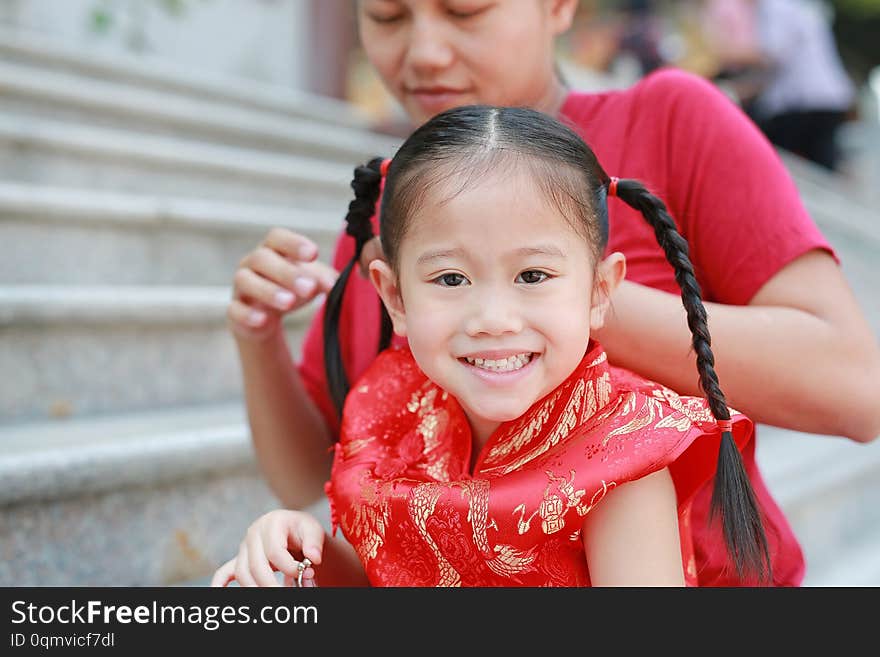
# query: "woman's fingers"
(324, 275)
(268, 285)
(251, 286)
(269, 265)
(246, 316)
(292, 246)
(279, 284)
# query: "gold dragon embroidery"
(555, 504)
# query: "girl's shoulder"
(390, 375)
(692, 411)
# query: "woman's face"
(433, 55)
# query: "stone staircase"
(128, 193)
(829, 487)
(129, 190)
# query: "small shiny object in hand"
(305, 563)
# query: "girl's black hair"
(477, 139)
(358, 224)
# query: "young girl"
(499, 448)
(773, 288)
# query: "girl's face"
(433, 55)
(492, 294)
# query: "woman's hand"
(269, 547)
(279, 276)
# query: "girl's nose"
(494, 314)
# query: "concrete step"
(831, 187)
(155, 74)
(54, 153)
(61, 96)
(858, 255)
(141, 499)
(157, 498)
(850, 223)
(850, 220)
(860, 142)
(67, 236)
(859, 566)
(829, 489)
(76, 350)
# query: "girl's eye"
(450, 280)
(532, 276)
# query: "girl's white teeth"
(502, 365)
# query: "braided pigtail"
(366, 185)
(732, 495)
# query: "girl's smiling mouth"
(503, 370)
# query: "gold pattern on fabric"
(680, 423)
(598, 496)
(354, 446)
(553, 506)
(433, 417)
(598, 360)
(439, 469)
(603, 388)
(567, 421)
(589, 408)
(694, 408)
(510, 561)
(416, 515)
(421, 505)
(644, 417)
(368, 522)
(476, 492)
(523, 435)
(423, 398)
(504, 560)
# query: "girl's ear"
(610, 272)
(388, 288)
(561, 14)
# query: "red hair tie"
(383, 168)
(725, 425)
(612, 186)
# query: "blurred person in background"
(730, 34)
(807, 93)
(641, 34)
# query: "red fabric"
(402, 492)
(733, 201)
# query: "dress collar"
(579, 400)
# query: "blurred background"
(147, 145)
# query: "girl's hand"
(276, 542)
(279, 276)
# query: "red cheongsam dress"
(402, 492)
